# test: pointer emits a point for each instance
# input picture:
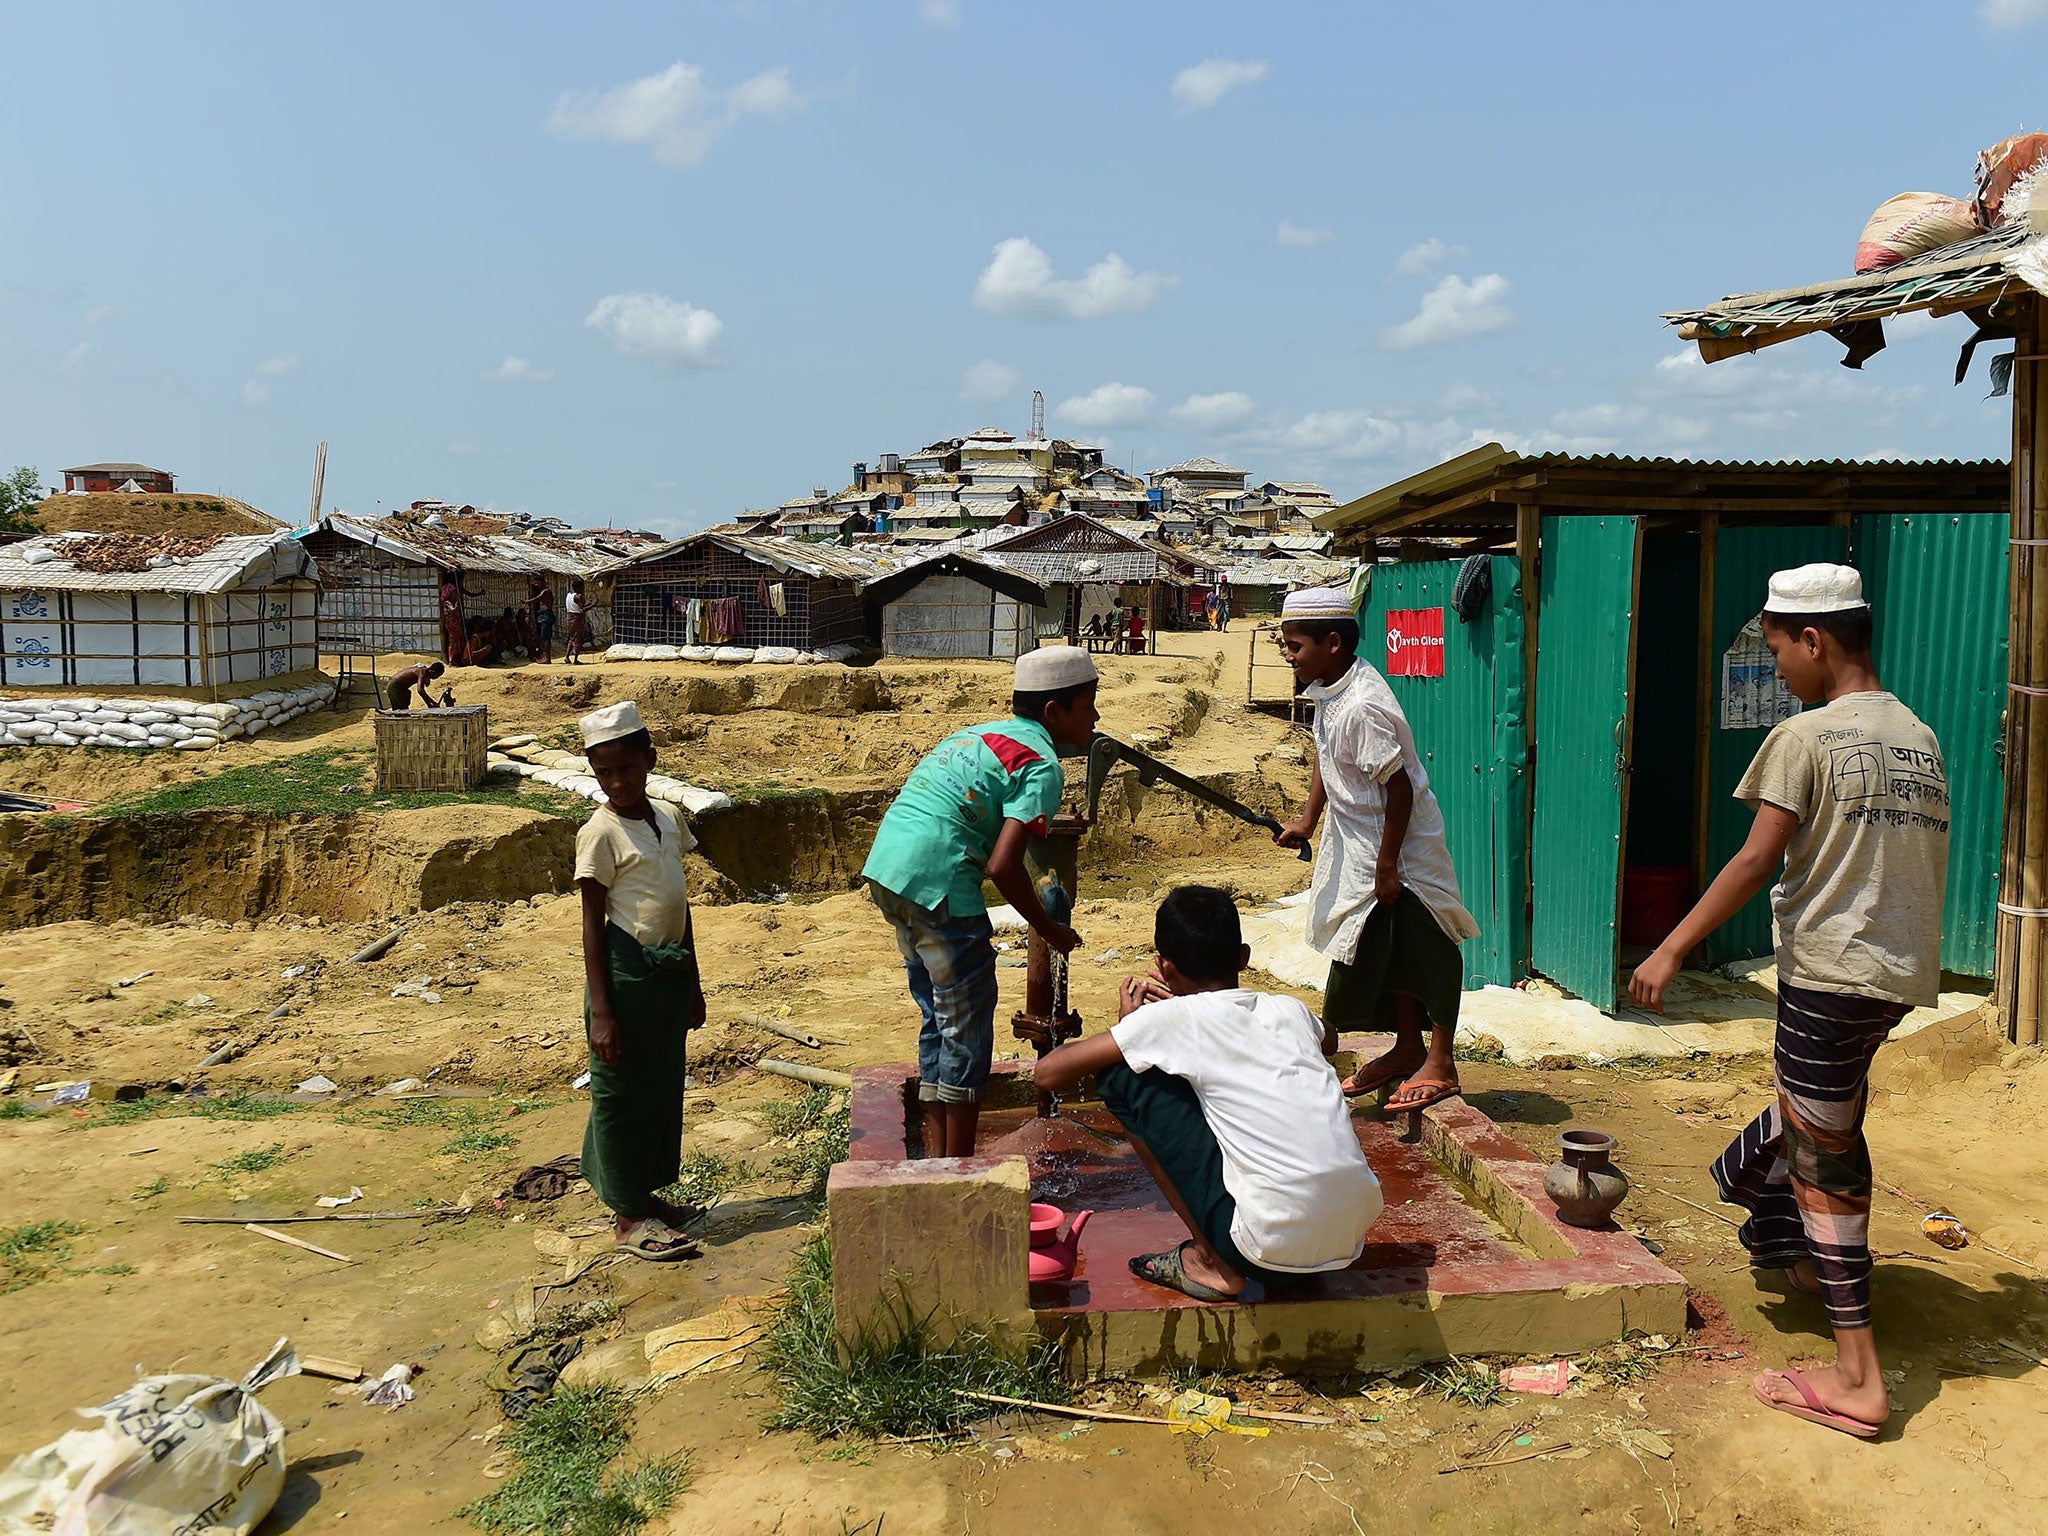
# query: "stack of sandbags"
(564, 770)
(141, 724)
(734, 655)
(622, 652)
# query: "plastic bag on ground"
(172, 1454)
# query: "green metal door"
(1938, 584)
(1584, 671)
(1468, 731)
(1743, 561)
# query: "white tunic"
(1361, 739)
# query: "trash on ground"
(1201, 1413)
(582, 1081)
(547, 1181)
(419, 987)
(198, 1000)
(172, 1454)
(129, 981)
(403, 1085)
(394, 1388)
(354, 1194)
(1945, 1231)
(1539, 1380)
(331, 1370)
(78, 1093)
(527, 1379)
(319, 1084)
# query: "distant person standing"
(1116, 625)
(543, 603)
(1222, 606)
(579, 624)
(452, 637)
(400, 689)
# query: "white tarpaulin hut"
(134, 610)
(954, 605)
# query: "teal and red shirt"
(935, 840)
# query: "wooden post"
(2023, 869)
(1705, 714)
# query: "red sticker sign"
(1415, 642)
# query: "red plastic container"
(1654, 900)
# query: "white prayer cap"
(1053, 667)
(1318, 603)
(1819, 588)
(610, 723)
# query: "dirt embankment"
(234, 865)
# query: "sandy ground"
(1965, 1333)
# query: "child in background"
(1384, 902)
(967, 812)
(1853, 799)
(642, 988)
(1232, 1105)
(579, 625)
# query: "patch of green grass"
(1471, 1382)
(579, 1317)
(890, 1380)
(233, 1106)
(477, 1141)
(259, 1160)
(17, 1109)
(817, 1127)
(152, 1189)
(435, 1114)
(29, 1253)
(322, 783)
(706, 1178)
(565, 1448)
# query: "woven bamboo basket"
(425, 749)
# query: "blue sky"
(653, 264)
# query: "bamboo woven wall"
(432, 749)
(649, 601)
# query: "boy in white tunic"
(1384, 902)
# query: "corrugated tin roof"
(1967, 272)
(114, 469)
(797, 555)
(1198, 467)
(429, 546)
(889, 585)
(239, 560)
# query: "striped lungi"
(1801, 1168)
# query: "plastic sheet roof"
(241, 560)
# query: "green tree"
(19, 492)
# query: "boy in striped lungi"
(1853, 798)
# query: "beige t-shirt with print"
(646, 892)
(1859, 907)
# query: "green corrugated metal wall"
(1743, 561)
(1468, 730)
(1938, 584)
(1582, 686)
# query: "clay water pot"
(1053, 1256)
(1584, 1185)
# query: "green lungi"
(632, 1146)
(1403, 949)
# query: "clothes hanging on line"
(778, 599)
(727, 622)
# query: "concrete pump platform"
(1469, 1257)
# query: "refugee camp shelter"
(115, 477)
(123, 610)
(383, 580)
(953, 605)
(1084, 568)
(1999, 280)
(1650, 689)
(771, 591)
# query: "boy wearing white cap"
(1852, 798)
(967, 812)
(642, 988)
(1384, 903)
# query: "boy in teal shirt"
(967, 812)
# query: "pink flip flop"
(1815, 1411)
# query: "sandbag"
(659, 653)
(775, 656)
(624, 652)
(733, 654)
(173, 1454)
(696, 652)
(1912, 224)
(2002, 167)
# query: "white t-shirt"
(1291, 1160)
(647, 892)
(1362, 738)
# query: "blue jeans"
(951, 964)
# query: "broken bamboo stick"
(820, 1077)
(1109, 1416)
(331, 1370)
(376, 948)
(237, 1221)
(775, 1027)
(1507, 1461)
(296, 1242)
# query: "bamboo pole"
(2023, 874)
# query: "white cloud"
(2004, 15)
(278, 367)
(1464, 397)
(939, 13)
(1454, 310)
(1018, 280)
(1107, 405)
(1604, 417)
(1684, 430)
(667, 332)
(674, 114)
(98, 313)
(1201, 86)
(255, 393)
(1341, 434)
(988, 380)
(517, 370)
(1421, 260)
(1296, 235)
(75, 358)
(1218, 412)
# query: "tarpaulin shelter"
(765, 592)
(953, 605)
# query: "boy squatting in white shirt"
(1231, 1102)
